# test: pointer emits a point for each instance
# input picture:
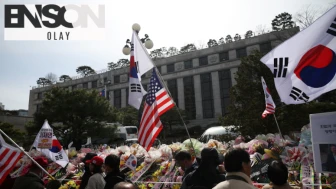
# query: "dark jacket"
(113, 178)
(190, 169)
(28, 181)
(85, 178)
(8, 183)
(331, 163)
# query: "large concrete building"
(199, 81)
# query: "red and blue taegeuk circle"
(56, 146)
(134, 163)
(317, 66)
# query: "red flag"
(270, 106)
(9, 156)
(157, 103)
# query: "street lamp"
(148, 43)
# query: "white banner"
(323, 129)
(44, 138)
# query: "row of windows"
(223, 56)
(189, 94)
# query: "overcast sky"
(168, 23)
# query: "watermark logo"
(54, 22)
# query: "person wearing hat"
(96, 181)
(87, 174)
(206, 175)
(33, 179)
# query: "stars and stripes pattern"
(270, 106)
(9, 156)
(157, 102)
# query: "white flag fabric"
(44, 138)
(135, 89)
(56, 153)
(270, 106)
(131, 162)
(142, 58)
(304, 66)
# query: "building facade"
(2, 107)
(198, 81)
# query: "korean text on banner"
(323, 129)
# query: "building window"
(39, 95)
(127, 96)
(265, 47)
(225, 85)
(172, 86)
(117, 98)
(105, 80)
(207, 96)
(189, 97)
(241, 53)
(203, 61)
(224, 56)
(107, 95)
(170, 68)
(38, 107)
(188, 64)
(117, 79)
(94, 84)
(85, 85)
(145, 87)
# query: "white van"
(125, 132)
(217, 131)
(131, 132)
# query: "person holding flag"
(33, 179)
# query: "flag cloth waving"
(270, 106)
(157, 103)
(131, 162)
(136, 91)
(9, 156)
(56, 153)
(304, 66)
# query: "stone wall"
(18, 121)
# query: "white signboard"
(44, 138)
(323, 129)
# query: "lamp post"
(148, 43)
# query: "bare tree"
(261, 29)
(306, 16)
(52, 77)
(201, 44)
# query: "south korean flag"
(304, 66)
(131, 162)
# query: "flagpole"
(278, 126)
(46, 172)
(185, 126)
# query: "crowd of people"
(212, 170)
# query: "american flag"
(157, 103)
(270, 106)
(9, 156)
